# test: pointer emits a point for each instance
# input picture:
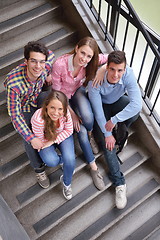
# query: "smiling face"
(115, 72)
(55, 109)
(35, 65)
(83, 55)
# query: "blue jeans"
(82, 107)
(110, 110)
(67, 157)
(35, 160)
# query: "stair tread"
(114, 214)
(147, 228)
(25, 17)
(19, 8)
(45, 30)
(79, 200)
(81, 216)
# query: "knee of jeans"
(70, 160)
(88, 122)
(51, 161)
(110, 153)
(83, 134)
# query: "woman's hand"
(37, 143)
(48, 144)
(76, 120)
(98, 80)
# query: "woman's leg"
(50, 156)
(82, 107)
(87, 150)
(68, 157)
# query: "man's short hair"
(117, 57)
(35, 46)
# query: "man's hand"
(109, 126)
(37, 143)
(110, 142)
(48, 81)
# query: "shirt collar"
(70, 63)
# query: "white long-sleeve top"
(64, 130)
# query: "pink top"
(64, 131)
(62, 78)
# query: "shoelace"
(42, 176)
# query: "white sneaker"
(67, 190)
(121, 199)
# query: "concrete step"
(154, 235)
(151, 227)
(72, 214)
(53, 39)
(13, 8)
(114, 215)
(59, 210)
(5, 3)
(10, 227)
(42, 31)
(30, 19)
(11, 149)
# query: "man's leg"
(35, 160)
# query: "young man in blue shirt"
(117, 100)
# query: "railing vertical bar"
(142, 64)
(107, 19)
(99, 10)
(134, 48)
(117, 20)
(149, 81)
(125, 35)
(155, 102)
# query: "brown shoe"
(42, 179)
(97, 179)
(94, 145)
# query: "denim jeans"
(67, 157)
(116, 176)
(35, 160)
(81, 105)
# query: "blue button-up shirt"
(109, 93)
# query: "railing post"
(114, 15)
(154, 74)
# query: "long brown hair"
(49, 124)
(93, 64)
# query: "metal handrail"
(114, 11)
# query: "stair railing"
(124, 30)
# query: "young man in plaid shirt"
(24, 91)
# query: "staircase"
(44, 213)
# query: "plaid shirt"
(22, 93)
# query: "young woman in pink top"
(71, 74)
(53, 125)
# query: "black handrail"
(110, 29)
